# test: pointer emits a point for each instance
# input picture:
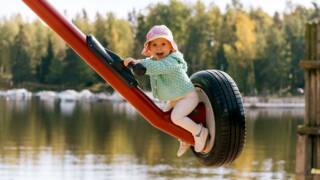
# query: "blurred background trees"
(261, 52)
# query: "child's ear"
(148, 52)
(172, 49)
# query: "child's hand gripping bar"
(137, 68)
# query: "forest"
(261, 52)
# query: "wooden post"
(308, 139)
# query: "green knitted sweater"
(168, 76)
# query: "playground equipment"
(220, 108)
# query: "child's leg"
(182, 108)
(179, 114)
(169, 105)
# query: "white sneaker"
(183, 148)
(200, 139)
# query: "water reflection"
(111, 141)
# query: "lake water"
(102, 140)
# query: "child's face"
(160, 48)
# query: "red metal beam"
(76, 40)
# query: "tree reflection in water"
(97, 140)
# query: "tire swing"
(225, 117)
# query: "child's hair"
(158, 31)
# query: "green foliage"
(37, 33)
(8, 28)
(242, 52)
(261, 52)
(272, 62)
(294, 27)
(55, 73)
(20, 58)
(42, 69)
(75, 71)
(119, 35)
(100, 29)
(200, 39)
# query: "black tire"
(229, 117)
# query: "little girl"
(169, 81)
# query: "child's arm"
(164, 66)
(129, 60)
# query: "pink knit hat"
(158, 31)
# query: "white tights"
(182, 107)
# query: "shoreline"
(273, 102)
(248, 101)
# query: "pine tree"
(75, 71)
(20, 58)
(42, 69)
(55, 73)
